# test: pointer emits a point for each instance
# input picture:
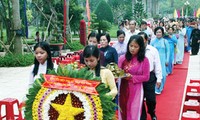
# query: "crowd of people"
(166, 41)
(146, 52)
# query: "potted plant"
(56, 44)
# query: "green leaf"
(106, 101)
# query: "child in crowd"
(37, 37)
(43, 61)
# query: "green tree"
(93, 4)
(121, 9)
(94, 24)
(99, 25)
(104, 12)
(139, 12)
(75, 12)
(128, 15)
(6, 18)
(17, 27)
(117, 8)
(10, 16)
(166, 10)
(104, 16)
(46, 11)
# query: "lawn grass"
(33, 29)
(113, 31)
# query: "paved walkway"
(194, 67)
(193, 73)
(14, 80)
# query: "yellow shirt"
(108, 78)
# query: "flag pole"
(64, 21)
(88, 14)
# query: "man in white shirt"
(154, 80)
(145, 28)
(132, 30)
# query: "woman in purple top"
(120, 45)
(136, 66)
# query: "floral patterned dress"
(131, 91)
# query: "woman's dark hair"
(143, 23)
(183, 22)
(91, 50)
(37, 33)
(45, 46)
(159, 28)
(141, 53)
(92, 34)
(122, 23)
(145, 35)
(162, 23)
(107, 36)
(171, 28)
(119, 32)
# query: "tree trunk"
(1, 30)
(172, 3)
(144, 2)
(17, 27)
(155, 8)
(67, 22)
(9, 32)
(6, 18)
(133, 3)
(8, 25)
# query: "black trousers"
(149, 94)
(195, 47)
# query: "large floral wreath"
(67, 94)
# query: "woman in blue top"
(162, 46)
(110, 53)
(180, 42)
(172, 40)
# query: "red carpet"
(169, 102)
(185, 63)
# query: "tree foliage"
(104, 17)
(165, 9)
(104, 12)
(120, 9)
(6, 18)
(101, 26)
(128, 14)
(139, 12)
(75, 12)
(94, 23)
(93, 4)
